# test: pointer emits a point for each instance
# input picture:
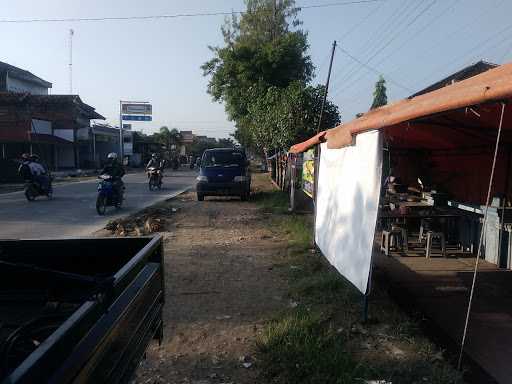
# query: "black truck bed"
(78, 310)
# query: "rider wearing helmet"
(24, 168)
(156, 163)
(114, 169)
(31, 169)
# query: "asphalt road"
(72, 212)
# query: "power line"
(387, 44)
(429, 23)
(375, 40)
(427, 51)
(173, 16)
(374, 70)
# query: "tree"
(284, 116)
(260, 52)
(379, 95)
(167, 137)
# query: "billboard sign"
(137, 117)
(308, 172)
(137, 109)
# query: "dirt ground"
(221, 287)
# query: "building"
(464, 73)
(98, 140)
(43, 124)
(14, 79)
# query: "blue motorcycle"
(107, 195)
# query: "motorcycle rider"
(39, 173)
(31, 169)
(24, 168)
(156, 163)
(115, 170)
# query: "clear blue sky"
(414, 43)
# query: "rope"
(481, 237)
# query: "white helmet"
(112, 155)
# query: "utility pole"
(121, 138)
(317, 149)
(326, 87)
(71, 33)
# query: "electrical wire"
(422, 12)
(465, 55)
(374, 70)
(173, 16)
(370, 42)
(439, 15)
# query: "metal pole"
(121, 130)
(93, 147)
(293, 164)
(365, 308)
(71, 32)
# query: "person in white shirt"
(39, 172)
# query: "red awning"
(465, 106)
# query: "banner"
(136, 109)
(308, 172)
(349, 183)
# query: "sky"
(412, 43)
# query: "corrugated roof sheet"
(7, 98)
(493, 85)
(23, 74)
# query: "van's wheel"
(200, 197)
(101, 205)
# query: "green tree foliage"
(284, 116)
(264, 60)
(379, 95)
(167, 137)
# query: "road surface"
(72, 212)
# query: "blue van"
(224, 172)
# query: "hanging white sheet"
(349, 183)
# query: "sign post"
(132, 111)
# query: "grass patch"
(274, 201)
(298, 349)
(298, 229)
(322, 340)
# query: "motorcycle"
(34, 189)
(155, 178)
(107, 195)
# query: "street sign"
(136, 109)
(127, 127)
(136, 117)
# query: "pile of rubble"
(149, 221)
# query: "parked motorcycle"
(34, 189)
(155, 178)
(107, 195)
